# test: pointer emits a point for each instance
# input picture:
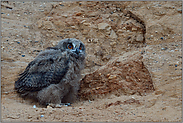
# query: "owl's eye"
(80, 48)
(69, 46)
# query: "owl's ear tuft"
(65, 45)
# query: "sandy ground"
(29, 27)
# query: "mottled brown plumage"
(53, 76)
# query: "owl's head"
(73, 46)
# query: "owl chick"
(52, 78)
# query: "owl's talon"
(66, 104)
(54, 105)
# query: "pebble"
(120, 31)
(29, 117)
(112, 77)
(23, 55)
(134, 29)
(124, 28)
(113, 34)
(89, 101)
(34, 106)
(87, 24)
(175, 65)
(179, 10)
(78, 14)
(164, 48)
(41, 10)
(103, 25)
(162, 38)
(42, 116)
(139, 38)
(171, 51)
(65, 16)
(113, 43)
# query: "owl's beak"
(77, 51)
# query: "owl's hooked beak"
(77, 51)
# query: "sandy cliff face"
(133, 67)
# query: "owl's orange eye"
(69, 46)
(80, 48)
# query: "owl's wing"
(41, 73)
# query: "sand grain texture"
(112, 32)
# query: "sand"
(109, 30)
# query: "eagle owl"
(52, 78)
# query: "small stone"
(78, 14)
(108, 75)
(164, 48)
(53, 43)
(49, 107)
(176, 50)
(86, 24)
(42, 116)
(34, 106)
(179, 10)
(124, 28)
(120, 31)
(83, 21)
(113, 34)
(134, 29)
(162, 38)
(23, 55)
(103, 25)
(113, 43)
(139, 38)
(73, 27)
(65, 15)
(112, 77)
(6, 93)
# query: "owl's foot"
(66, 104)
(58, 105)
(54, 105)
